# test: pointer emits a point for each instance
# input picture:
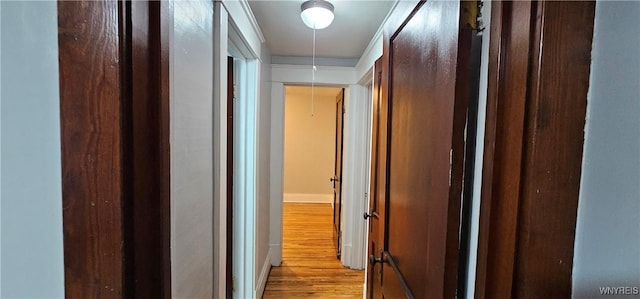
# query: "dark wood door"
(420, 157)
(376, 236)
(337, 173)
(230, 165)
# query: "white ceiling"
(355, 23)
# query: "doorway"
(312, 196)
(313, 149)
(309, 133)
(241, 173)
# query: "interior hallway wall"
(191, 114)
(31, 196)
(607, 245)
(309, 149)
(263, 260)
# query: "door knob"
(373, 260)
(333, 180)
(366, 215)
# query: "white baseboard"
(275, 253)
(352, 259)
(308, 198)
(264, 275)
(345, 255)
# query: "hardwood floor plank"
(309, 267)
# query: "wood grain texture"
(379, 154)
(429, 65)
(114, 83)
(147, 144)
(337, 173)
(375, 238)
(552, 160)
(309, 266)
(91, 124)
(538, 82)
(508, 72)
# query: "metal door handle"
(370, 214)
(389, 260)
(333, 180)
(373, 260)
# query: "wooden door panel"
(337, 178)
(379, 153)
(423, 68)
(395, 285)
(425, 65)
(375, 240)
(230, 173)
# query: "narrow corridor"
(309, 265)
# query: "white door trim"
(233, 32)
(356, 153)
(356, 122)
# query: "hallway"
(309, 265)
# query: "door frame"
(230, 173)
(354, 249)
(525, 186)
(337, 196)
(244, 193)
(372, 177)
(119, 199)
(236, 32)
(355, 170)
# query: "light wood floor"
(309, 264)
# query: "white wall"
(31, 196)
(325, 75)
(263, 209)
(221, 32)
(309, 149)
(276, 184)
(354, 171)
(191, 65)
(607, 246)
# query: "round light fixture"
(317, 14)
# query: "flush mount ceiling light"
(317, 14)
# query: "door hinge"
(450, 166)
(233, 283)
(235, 92)
(471, 15)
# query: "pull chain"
(313, 72)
